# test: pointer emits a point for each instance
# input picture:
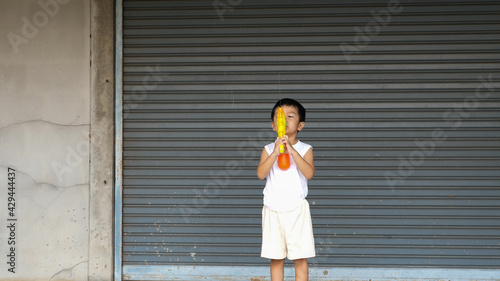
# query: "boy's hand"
(279, 141)
(288, 148)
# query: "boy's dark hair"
(290, 102)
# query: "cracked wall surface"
(45, 138)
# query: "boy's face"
(293, 124)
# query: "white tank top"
(285, 190)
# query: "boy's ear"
(274, 126)
(301, 126)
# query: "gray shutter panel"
(403, 116)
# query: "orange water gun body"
(283, 158)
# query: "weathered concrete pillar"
(102, 141)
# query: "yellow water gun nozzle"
(283, 159)
(281, 126)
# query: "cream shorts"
(287, 234)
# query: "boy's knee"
(301, 270)
(277, 262)
(300, 263)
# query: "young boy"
(286, 219)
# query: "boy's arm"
(267, 162)
(306, 164)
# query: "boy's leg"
(277, 270)
(301, 270)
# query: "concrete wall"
(48, 111)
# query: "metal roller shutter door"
(403, 115)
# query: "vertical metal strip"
(118, 137)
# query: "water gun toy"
(283, 158)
